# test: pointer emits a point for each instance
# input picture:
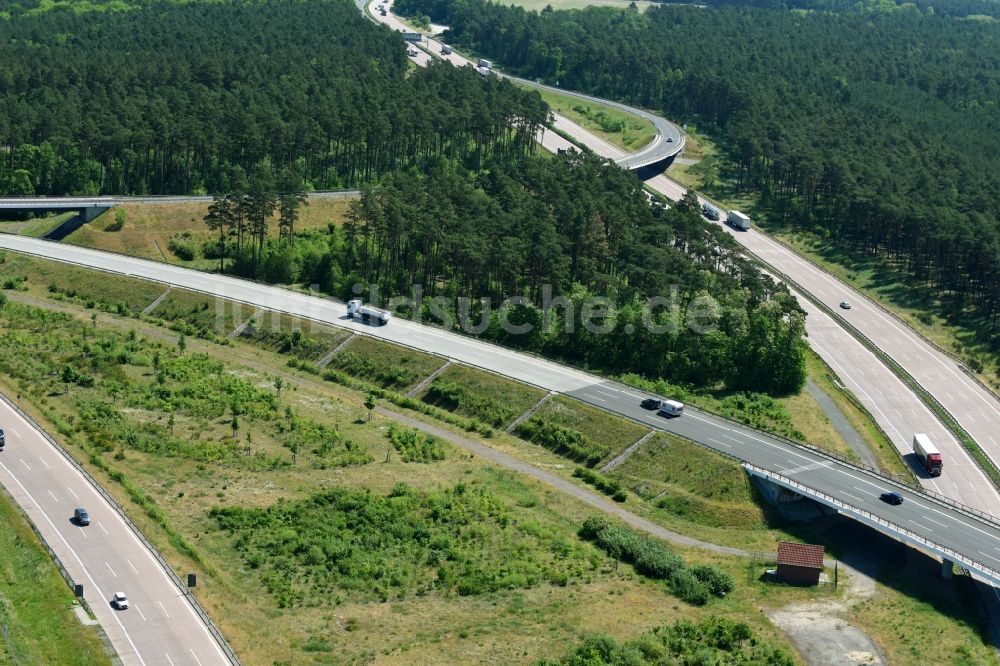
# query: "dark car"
(891, 498)
(81, 516)
(651, 403)
(3, 438)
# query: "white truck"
(485, 64)
(671, 408)
(927, 454)
(356, 308)
(445, 49)
(738, 220)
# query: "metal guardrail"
(958, 361)
(940, 411)
(952, 554)
(843, 460)
(195, 604)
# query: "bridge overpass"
(88, 207)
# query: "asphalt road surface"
(160, 627)
(977, 540)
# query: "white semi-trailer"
(738, 220)
(485, 64)
(927, 454)
(359, 310)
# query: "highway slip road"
(160, 627)
(975, 539)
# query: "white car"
(845, 305)
(119, 601)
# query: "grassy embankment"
(195, 465)
(623, 130)
(37, 623)
(149, 229)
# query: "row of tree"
(576, 239)
(879, 130)
(189, 97)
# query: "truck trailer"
(445, 49)
(357, 309)
(738, 220)
(485, 64)
(927, 454)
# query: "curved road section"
(160, 627)
(668, 142)
(958, 533)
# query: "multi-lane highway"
(668, 142)
(161, 626)
(975, 540)
(897, 410)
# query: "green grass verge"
(79, 285)
(385, 364)
(692, 483)
(481, 395)
(38, 623)
(198, 314)
(302, 338)
(611, 432)
(623, 130)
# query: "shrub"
(610, 487)
(564, 441)
(183, 248)
(719, 582)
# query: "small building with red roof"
(799, 563)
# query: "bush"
(415, 446)
(654, 560)
(685, 585)
(719, 582)
(564, 441)
(610, 487)
(183, 248)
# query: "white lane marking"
(102, 528)
(857, 488)
(844, 492)
(169, 660)
(921, 525)
(16, 433)
(935, 521)
(72, 493)
(25, 464)
(594, 397)
(53, 495)
(79, 561)
(989, 556)
(131, 565)
(164, 609)
(40, 459)
(749, 436)
(136, 608)
(610, 395)
(110, 569)
(729, 446)
(962, 522)
(196, 657)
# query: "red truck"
(927, 454)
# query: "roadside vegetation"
(37, 623)
(301, 439)
(623, 130)
(481, 395)
(810, 150)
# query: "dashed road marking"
(196, 658)
(53, 496)
(111, 570)
(101, 525)
(136, 608)
(164, 609)
(75, 496)
(43, 462)
(131, 565)
(25, 464)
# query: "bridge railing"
(806, 490)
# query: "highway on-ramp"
(161, 626)
(965, 536)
